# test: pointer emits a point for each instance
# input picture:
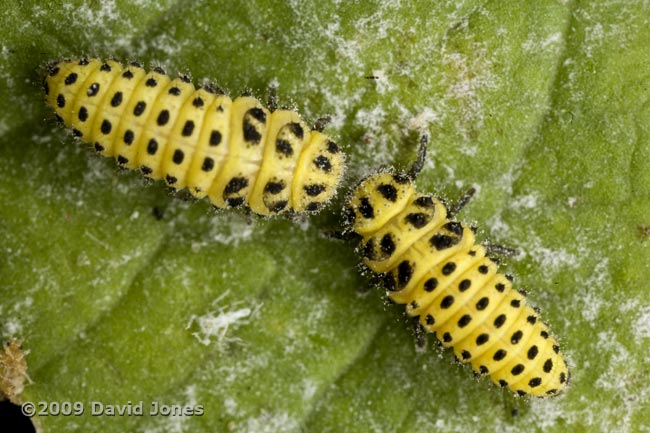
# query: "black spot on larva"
(425, 201)
(515, 303)
(401, 178)
(136, 64)
(532, 352)
(503, 383)
(146, 170)
(464, 285)
(464, 321)
(366, 209)
(76, 132)
(465, 354)
(332, 147)
(417, 220)
(60, 101)
(404, 274)
(235, 185)
(220, 108)
(47, 87)
(116, 100)
(388, 191)
(442, 242)
(548, 365)
(274, 187)
(516, 337)
(93, 89)
(387, 244)
(184, 78)
(483, 269)
(483, 369)
(449, 268)
(152, 147)
(235, 202)
(278, 206)
(170, 179)
(471, 253)
(54, 71)
(313, 206)
(159, 70)
(296, 130)
(510, 278)
(198, 102)
(151, 82)
(535, 381)
(454, 227)
(106, 127)
(563, 377)
(105, 67)
(482, 339)
(128, 137)
(251, 134)
(174, 91)
(188, 128)
(215, 138)
(414, 305)
(83, 62)
(122, 160)
(521, 291)
(517, 369)
(178, 156)
(58, 118)
(98, 147)
(482, 303)
(127, 74)
(163, 118)
(521, 393)
(499, 321)
(258, 114)
(314, 190)
(430, 284)
(556, 348)
(70, 79)
(139, 108)
(430, 320)
(323, 163)
(83, 114)
(208, 164)
(531, 319)
(369, 250)
(544, 334)
(499, 355)
(447, 301)
(283, 147)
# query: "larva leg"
(321, 123)
(272, 101)
(461, 203)
(418, 164)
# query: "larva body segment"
(235, 151)
(434, 266)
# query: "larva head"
(377, 199)
(319, 172)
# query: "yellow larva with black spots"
(434, 266)
(235, 151)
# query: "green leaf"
(123, 293)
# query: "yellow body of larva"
(234, 151)
(434, 266)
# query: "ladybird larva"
(432, 264)
(235, 151)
